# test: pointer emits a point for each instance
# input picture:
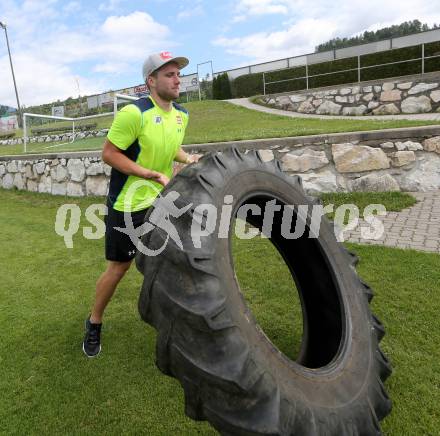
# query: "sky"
(83, 47)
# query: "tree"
(206, 89)
(226, 87)
(403, 29)
(221, 87)
(215, 89)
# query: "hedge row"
(7, 135)
(248, 85)
(252, 84)
(296, 82)
(337, 68)
(45, 130)
(432, 49)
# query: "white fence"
(358, 69)
(348, 52)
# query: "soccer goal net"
(41, 133)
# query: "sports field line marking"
(58, 145)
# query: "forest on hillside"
(403, 29)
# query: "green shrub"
(215, 89)
(394, 55)
(333, 79)
(7, 135)
(294, 80)
(432, 49)
(432, 65)
(289, 73)
(226, 87)
(252, 84)
(336, 67)
(291, 85)
(221, 87)
(248, 85)
(333, 66)
(408, 68)
(46, 130)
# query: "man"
(144, 140)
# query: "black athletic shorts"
(118, 245)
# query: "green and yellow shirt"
(151, 137)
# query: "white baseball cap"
(157, 60)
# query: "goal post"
(26, 125)
(72, 131)
(121, 97)
(74, 122)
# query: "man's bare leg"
(105, 288)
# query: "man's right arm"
(114, 157)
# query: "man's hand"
(114, 157)
(193, 158)
(161, 178)
(155, 176)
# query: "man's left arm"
(181, 156)
(185, 158)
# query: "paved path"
(417, 227)
(248, 104)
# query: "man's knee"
(118, 269)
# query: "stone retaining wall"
(62, 137)
(75, 176)
(386, 160)
(405, 95)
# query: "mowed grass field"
(48, 386)
(216, 121)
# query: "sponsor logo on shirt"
(178, 119)
(157, 119)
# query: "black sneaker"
(92, 339)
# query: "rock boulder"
(308, 160)
(386, 109)
(351, 158)
(401, 158)
(422, 87)
(375, 183)
(415, 105)
(329, 108)
(432, 144)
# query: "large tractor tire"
(231, 373)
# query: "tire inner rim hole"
(289, 286)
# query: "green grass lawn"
(393, 201)
(215, 121)
(49, 387)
